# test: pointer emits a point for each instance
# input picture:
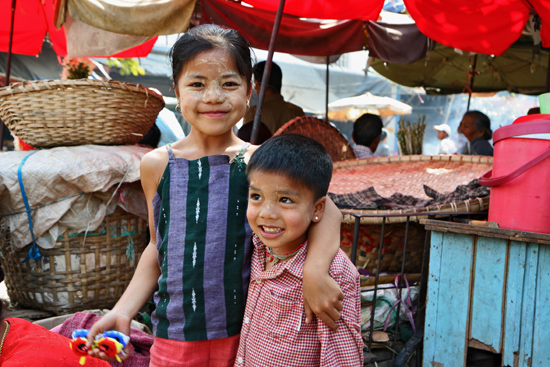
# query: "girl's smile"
(211, 92)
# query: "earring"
(247, 103)
(316, 218)
(178, 107)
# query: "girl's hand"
(322, 297)
(111, 321)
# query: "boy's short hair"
(367, 128)
(298, 157)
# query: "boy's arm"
(344, 347)
(322, 295)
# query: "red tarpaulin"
(296, 36)
(482, 26)
(333, 9)
(33, 19)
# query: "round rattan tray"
(49, 113)
(407, 175)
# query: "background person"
(476, 127)
(446, 144)
(275, 110)
(367, 131)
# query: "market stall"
(73, 214)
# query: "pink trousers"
(202, 353)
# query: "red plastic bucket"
(520, 182)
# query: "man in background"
(366, 134)
(275, 110)
(446, 144)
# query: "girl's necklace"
(273, 258)
(4, 337)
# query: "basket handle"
(487, 180)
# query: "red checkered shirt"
(274, 331)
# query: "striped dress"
(204, 248)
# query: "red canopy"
(296, 36)
(33, 19)
(481, 26)
(333, 9)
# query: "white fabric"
(169, 126)
(446, 146)
(85, 176)
(83, 40)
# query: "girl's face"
(211, 92)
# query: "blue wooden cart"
(489, 289)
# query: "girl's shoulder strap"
(243, 150)
(239, 158)
(170, 152)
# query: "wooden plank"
(487, 295)
(507, 234)
(541, 333)
(430, 324)
(514, 302)
(453, 300)
(528, 305)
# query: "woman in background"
(476, 127)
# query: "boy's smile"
(280, 210)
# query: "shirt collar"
(363, 151)
(294, 265)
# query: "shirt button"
(240, 359)
(246, 320)
(258, 281)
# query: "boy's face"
(281, 210)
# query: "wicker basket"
(49, 113)
(407, 175)
(81, 272)
(320, 130)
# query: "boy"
(288, 177)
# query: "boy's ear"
(319, 209)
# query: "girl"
(197, 263)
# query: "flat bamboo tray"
(407, 175)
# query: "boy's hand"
(322, 297)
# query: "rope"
(34, 252)
(41, 206)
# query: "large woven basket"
(49, 113)
(320, 130)
(407, 175)
(81, 272)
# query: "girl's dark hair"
(297, 157)
(483, 123)
(207, 37)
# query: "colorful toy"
(78, 344)
(110, 342)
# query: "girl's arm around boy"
(322, 295)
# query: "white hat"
(443, 127)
